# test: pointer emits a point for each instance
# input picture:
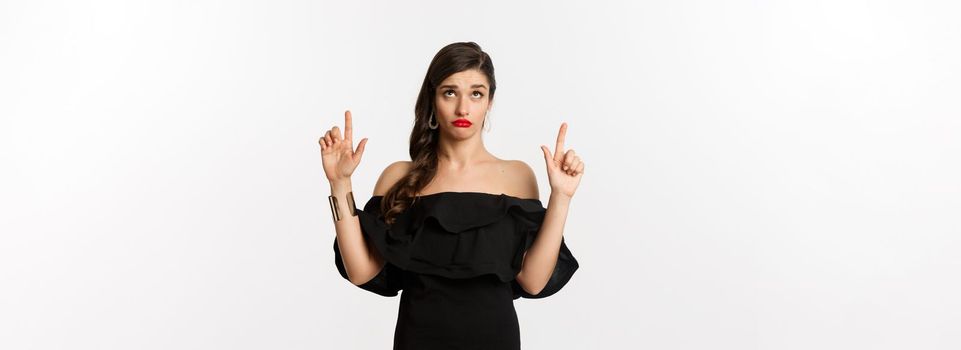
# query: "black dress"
(455, 255)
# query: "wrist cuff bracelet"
(335, 207)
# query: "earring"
(486, 119)
(431, 123)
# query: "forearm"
(541, 258)
(361, 262)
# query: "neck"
(459, 154)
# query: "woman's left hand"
(564, 169)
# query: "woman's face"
(462, 102)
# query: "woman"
(461, 231)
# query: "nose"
(463, 109)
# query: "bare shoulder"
(523, 182)
(393, 173)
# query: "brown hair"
(453, 58)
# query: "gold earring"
(432, 123)
(487, 118)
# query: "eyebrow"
(455, 86)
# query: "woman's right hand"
(337, 153)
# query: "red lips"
(462, 123)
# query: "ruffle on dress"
(458, 235)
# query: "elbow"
(530, 288)
(357, 281)
(354, 281)
(534, 291)
(362, 278)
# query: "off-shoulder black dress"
(455, 255)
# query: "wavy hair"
(453, 58)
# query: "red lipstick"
(462, 123)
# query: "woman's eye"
(476, 93)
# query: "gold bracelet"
(335, 208)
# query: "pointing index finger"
(559, 147)
(348, 126)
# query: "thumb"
(360, 148)
(547, 155)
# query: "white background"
(759, 174)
